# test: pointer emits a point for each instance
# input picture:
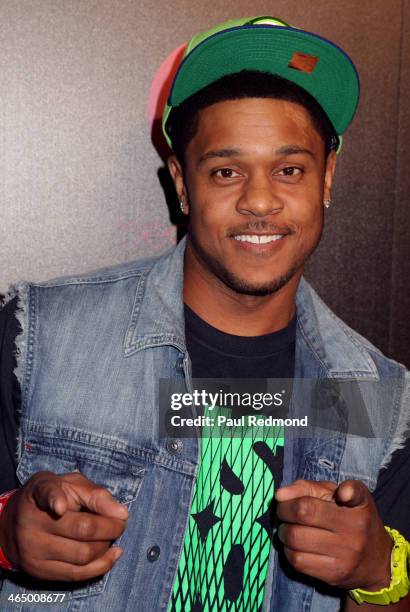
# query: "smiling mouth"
(258, 238)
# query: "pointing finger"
(307, 488)
(98, 500)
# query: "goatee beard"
(244, 286)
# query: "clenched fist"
(62, 527)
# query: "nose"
(259, 198)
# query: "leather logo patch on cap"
(303, 62)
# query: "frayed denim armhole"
(21, 292)
(402, 432)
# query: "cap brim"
(333, 81)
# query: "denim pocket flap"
(118, 471)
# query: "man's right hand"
(62, 527)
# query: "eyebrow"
(285, 150)
(219, 153)
(293, 150)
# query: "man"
(255, 116)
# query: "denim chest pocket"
(114, 470)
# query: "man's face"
(255, 181)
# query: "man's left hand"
(334, 533)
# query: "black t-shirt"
(213, 354)
(232, 498)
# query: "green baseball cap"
(269, 45)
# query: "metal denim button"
(153, 553)
(179, 364)
(174, 446)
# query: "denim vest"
(90, 356)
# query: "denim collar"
(158, 313)
(158, 319)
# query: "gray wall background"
(79, 175)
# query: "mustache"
(259, 227)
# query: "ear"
(177, 174)
(329, 173)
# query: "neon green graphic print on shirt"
(225, 554)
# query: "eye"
(225, 173)
(290, 171)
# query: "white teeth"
(258, 239)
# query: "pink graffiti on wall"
(156, 235)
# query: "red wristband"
(4, 562)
